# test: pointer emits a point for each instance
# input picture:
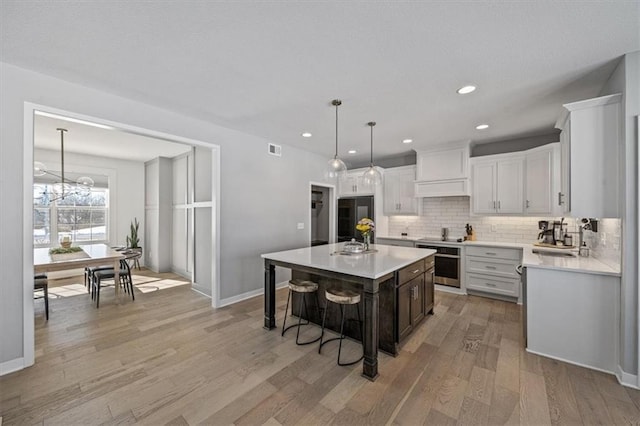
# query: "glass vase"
(367, 241)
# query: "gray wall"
(261, 197)
(514, 145)
(626, 80)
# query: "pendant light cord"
(371, 124)
(337, 103)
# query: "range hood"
(443, 171)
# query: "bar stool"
(302, 287)
(40, 282)
(342, 298)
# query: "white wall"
(261, 197)
(126, 187)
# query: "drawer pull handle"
(490, 253)
(416, 271)
(490, 267)
(490, 284)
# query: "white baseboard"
(248, 295)
(590, 367)
(449, 289)
(11, 366)
(626, 379)
(200, 292)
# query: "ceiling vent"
(275, 150)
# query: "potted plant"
(133, 242)
(132, 238)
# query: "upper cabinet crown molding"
(443, 170)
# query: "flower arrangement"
(366, 226)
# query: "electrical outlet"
(301, 225)
(494, 227)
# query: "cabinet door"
(564, 197)
(404, 310)
(538, 182)
(408, 203)
(509, 185)
(417, 299)
(429, 301)
(391, 190)
(349, 184)
(483, 180)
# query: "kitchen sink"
(554, 253)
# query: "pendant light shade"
(372, 176)
(336, 167)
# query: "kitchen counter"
(367, 272)
(589, 265)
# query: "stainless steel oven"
(447, 270)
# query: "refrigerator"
(350, 211)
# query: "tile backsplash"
(454, 213)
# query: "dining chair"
(104, 273)
(41, 283)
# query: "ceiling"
(271, 69)
(112, 143)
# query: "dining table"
(91, 255)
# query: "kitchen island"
(366, 272)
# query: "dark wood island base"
(386, 308)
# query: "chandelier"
(65, 187)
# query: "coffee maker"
(547, 234)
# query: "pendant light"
(372, 176)
(64, 188)
(336, 167)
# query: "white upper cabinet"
(443, 171)
(353, 184)
(542, 180)
(591, 133)
(497, 182)
(399, 196)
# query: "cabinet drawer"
(494, 252)
(429, 262)
(492, 284)
(410, 272)
(483, 265)
(394, 242)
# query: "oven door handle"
(448, 256)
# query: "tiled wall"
(454, 213)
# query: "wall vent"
(275, 149)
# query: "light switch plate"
(301, 225)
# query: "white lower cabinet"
(492, 270)
(395, 242)
(573, 316)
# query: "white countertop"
(370, 265)
(588, 265)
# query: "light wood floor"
(168, 358)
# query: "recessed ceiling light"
(407, 140)
(306, 135)
(482, 126)
(466, 89)
(352, 151)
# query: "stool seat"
(303, 286)
(342, 296)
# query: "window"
(82, 217)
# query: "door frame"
(332, 209)
(30, 108)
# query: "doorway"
(322, 213)
(207, 276)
